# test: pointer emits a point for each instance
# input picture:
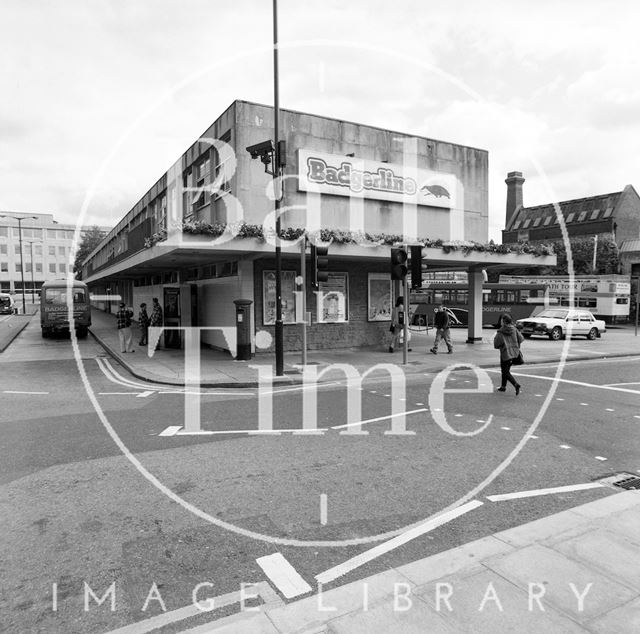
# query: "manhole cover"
(627, 481)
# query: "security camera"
(261, 149)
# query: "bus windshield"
(59, 296)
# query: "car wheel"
(593, 334)
(556, 334)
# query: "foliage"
(158, 236)
(340, 236)
(90, 240)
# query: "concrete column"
(474, 332)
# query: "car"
(558, 323)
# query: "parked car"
(558, 323)
(7, 305)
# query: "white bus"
(606, 296)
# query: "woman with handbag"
(508, 340)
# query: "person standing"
(123, 322)
(143, 321)
(508, 340)
(397, 323)
(156, 316)
(441, 323)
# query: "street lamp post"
(33, 284)
(19, 220)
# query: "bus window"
(511, 297)
(437, 297)
(525, 294)
(622, 300)
(587, 302)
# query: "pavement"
(220, 369)
(12, 325)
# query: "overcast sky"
(110, 93)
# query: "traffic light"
(398, 263)
(320, 265)
(416, 266)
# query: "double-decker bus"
(54, 309)
(520, 300)
(608, 297)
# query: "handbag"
(519, 360)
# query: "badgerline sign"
(347, 176)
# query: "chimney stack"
(514, 182)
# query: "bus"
(6, 304)
(608, 297)
(520, 300)
(54, 312)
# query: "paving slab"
(557, 573)
(622, 620)
(486, 602)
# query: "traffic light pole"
(303, 274)
(405, 336)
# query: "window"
(222, 172)
(4, 232)
(27, 268)
(516, 224)
(582, 216)
(622, 300)
(527, 222)
(31, 233)
(3, 249)
(38, 267)
(570, 217)
(52, 267)
(333, 299)
(547, 220)
(61, 267)
(18, 267)
(608, 212)
(16, 249)
(61, 251)
(594, 214)
(537, 221)
(4, 267)
(51, 234)
(52, 250)
(38, 249)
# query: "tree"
(90, 240)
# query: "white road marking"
(20, 392)
(171, 431)
(614, 384)
(565, 447)
(145, 394)
(609, 409)
(283, 575)
(534, 437)
(385, 547)
(602, 458)
(323, 508)
(636, 416)
(585, 404)
(166, 618)
(506, 428)
(419, 404)
(118, 393)
(457, 415)
(379, 418)
(559, 399)
(535, 492)
(582, 383)
(298, 388)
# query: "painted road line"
(118, 393)
(283, 575)
(368, 555)
(145, 394)
(232, 392)
(167, 618)
(205, 432)
(536, 492)
(565, 447)
(602, 458)
(379, 418)
(109, 371)
(614, 384)
(298, 388)
(20, 392)
(636, 416)
(609, 409)
(171, 431)
(582, 383)
(323, 509)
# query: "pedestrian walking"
(123, 322)
(156, 319)
(397, 324)
(508, 340)
(441, 323)
(143, 321)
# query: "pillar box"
(243, 329)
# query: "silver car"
(558, 323)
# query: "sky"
(99, 97)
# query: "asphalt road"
(87, 479)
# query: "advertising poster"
(269, 297)
(332, 299)
(379, 297)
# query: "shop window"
(333, 299)
(269, 297)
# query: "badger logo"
(435, 190)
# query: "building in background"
(46, 251)
(605, 216)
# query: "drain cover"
(627, 481)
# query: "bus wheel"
(556, 334)
(593, 334)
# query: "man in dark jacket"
(441, 323)
(508, 340)
(123, 323)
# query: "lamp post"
(33, 284)
(19, 220)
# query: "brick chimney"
(514, 182)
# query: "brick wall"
(356, 332)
